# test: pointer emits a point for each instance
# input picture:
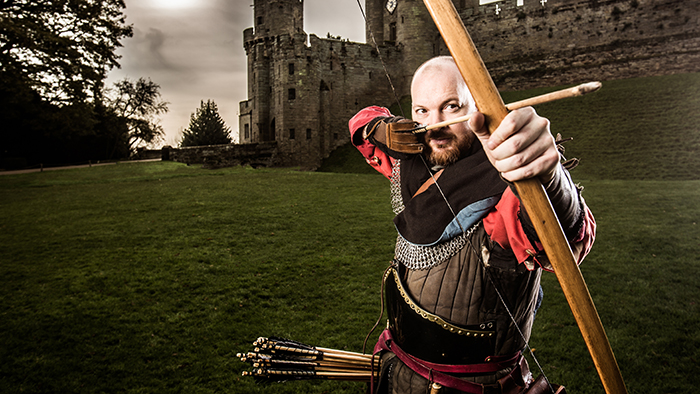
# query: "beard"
(444, 157)
(449, 152)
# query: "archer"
(464, 286)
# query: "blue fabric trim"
(467, 217)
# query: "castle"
(303, 89)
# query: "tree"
(60, 49)
(34, 131)
(136, 105)
(54, 58)
(206, 127)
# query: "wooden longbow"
(532, 195)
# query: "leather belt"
(514, 382)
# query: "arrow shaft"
(545, 98)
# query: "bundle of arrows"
(278, 359)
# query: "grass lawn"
(150, 277)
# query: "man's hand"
(393, 133)
(521, 147)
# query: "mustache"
(439, 134)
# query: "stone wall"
(218, 156)
(552, 42)
(332, 79)
(571, 41)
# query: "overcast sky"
(194, 50)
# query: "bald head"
(438, 93)
(444, 69)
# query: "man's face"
(435, 95)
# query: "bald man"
(464, 285)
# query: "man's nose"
(437, 133)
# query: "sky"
(194, 50)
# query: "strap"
(366, 134)
(437, 372)
(429, 182)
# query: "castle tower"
(374, 12)
(272, 20)
(301, 90)
(276, 17)
(407, 26)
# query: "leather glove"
(394, 136)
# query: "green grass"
(642, 274)
(149, 278)
(643, 128)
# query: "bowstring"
(449, 206)
(490, 277)
(379, 53)
(398, 102)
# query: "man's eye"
(452, 107)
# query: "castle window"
(370, 75)
(291, 68)
(272, 133)
(292, 134)
(308, 134)
(246, 132)
(392, 31)
(260, 20)
(292, 93)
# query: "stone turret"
(276, 17)
(274, 20)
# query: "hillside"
(641, 128)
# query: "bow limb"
(533, 197)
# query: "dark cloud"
(155, 39)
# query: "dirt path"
(13, 172)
